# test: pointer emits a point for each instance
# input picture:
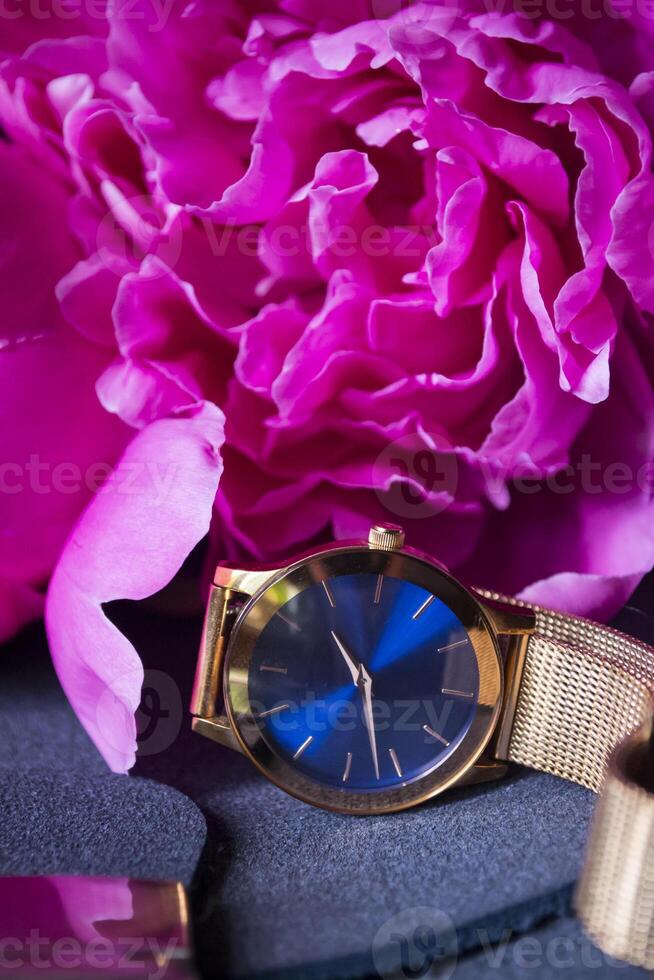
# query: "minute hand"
(364, 683)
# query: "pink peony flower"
(406, 252)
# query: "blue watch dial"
(364, 682)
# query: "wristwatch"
(363, 678)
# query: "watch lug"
(485, 770)
(247, 581)
(218, 729)
(222, 607)
(507, 619)
(514, 625)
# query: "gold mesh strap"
(615, 895)
(584, 689)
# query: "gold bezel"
(405, 564)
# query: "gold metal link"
(585, 690)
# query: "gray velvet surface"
(280, 889)
(55, 822)
(301, 888)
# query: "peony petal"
(508, 170)
(540, 422)
(128, 544)
(597, 597)
(50, 459)
(642, 92)
(536, 174)
(258, 362)
(22, 27)
(86, 296)
(597, 515)
(330, 351)
(473, 231)
(337, 52)
(409, 331)
(631, 252)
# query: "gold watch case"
(245, 601)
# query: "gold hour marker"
(305, 745)
(420, 610)
(273, 711)
(453, 646)
(328, 594)
(348, 766)
(380, 582)
(430, 731)
(395, 761)
(457, 694)
(274, 670)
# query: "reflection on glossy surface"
(68, 926)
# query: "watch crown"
(386, 537)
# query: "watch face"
(360, 680)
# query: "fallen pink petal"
(128, 544)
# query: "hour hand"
(352, 664)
